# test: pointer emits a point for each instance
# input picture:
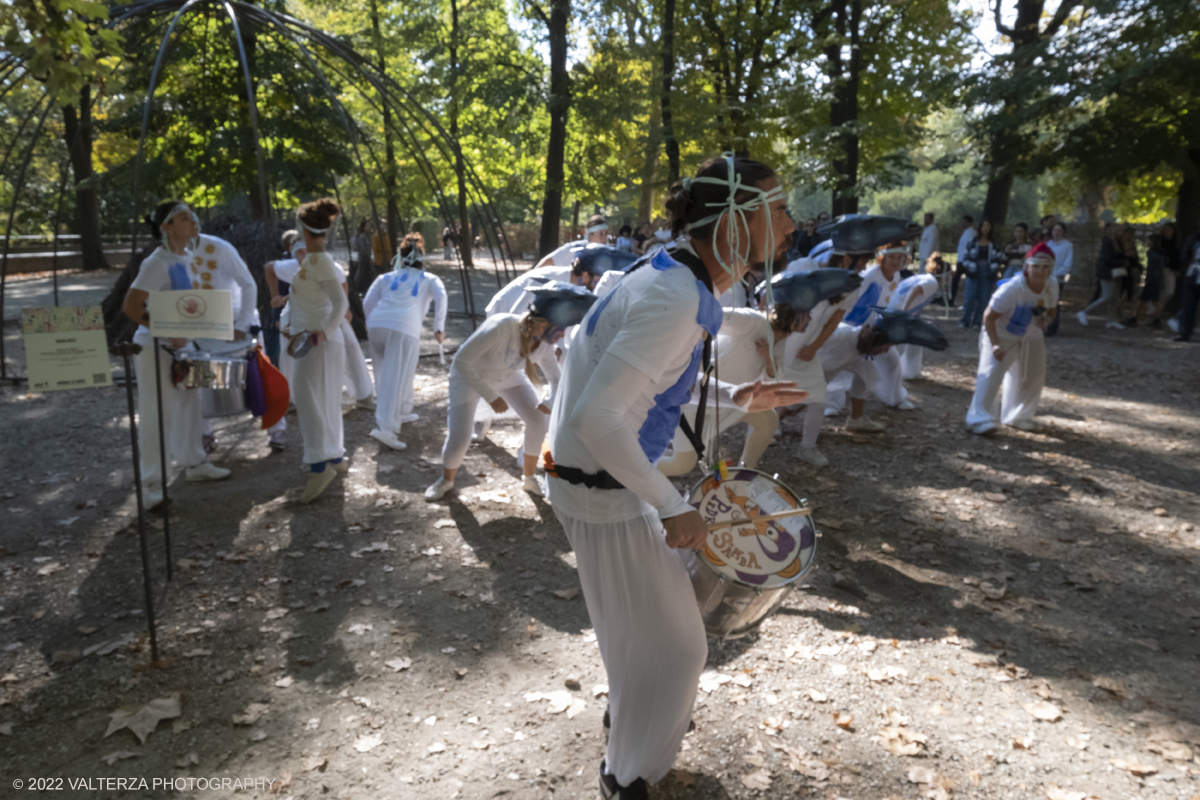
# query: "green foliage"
(66, 42)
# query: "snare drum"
(748, 567)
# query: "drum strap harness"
(602, 480)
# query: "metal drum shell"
(730, 610)
(221, 381)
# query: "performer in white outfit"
(912, 296)
(278, 290)
(595, 233)
(929, 239)
(632, 363)
(166, 269)
(495, 364)
(318, 304)
(893, 257)
(395, 306)
(1012, 348)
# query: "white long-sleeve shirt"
(929, 243)
(515, 297)
(317, 301)
(1064, 257)
(489, 358)
(399, 300)
(217, 265)
(964, 242)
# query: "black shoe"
(611, 790)
(1182, 339)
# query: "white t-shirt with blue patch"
(1015, 302)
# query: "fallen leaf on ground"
(1110, 685)
(252, 714)
(817, 697)
(315, 762)
(920, 775)
(144, 719)
(367, 742)
(758, 779)
(1135, 767)
(118, 755)
(901, 741)
(843, 720)
(399, 664)
(743, 680)
(1053, 792)
(886, 674)
(566, 594)
(437, 747)
(276, 613)
(188, 760)
(1047, 712)
(710, 680)
(445, 523)
(1171, 751)
(1022, 743)
(285, 682)
(50, 569)
(993, 592)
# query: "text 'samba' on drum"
(748, 567)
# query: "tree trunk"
(258, 205)
(650, 168)
(668, 76)
(1187, 202)
(559, 106)
(389, 147)
(460, 169)
(77, 131)
(999, 192)
(843, 112)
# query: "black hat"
(598, 259)
(861, 234)
(803, 290)
(900, 328)
(562, 304)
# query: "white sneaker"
(532, 486)
(1173, 324)
(481, 432)
(905, 405)
(367, 403)
(1115, 326)
(206, 471)
(1082, 317)
(409, 417)
(388, 438)
(983, 428)
(318, 482)
(439, 489)
(152, 497)
(812, 455)
(1025, 425)
(865, 424)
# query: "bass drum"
(748, 568)
(220, 379)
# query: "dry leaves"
(1110, 685)
(886, 674)
(1045, 711)
(566, 594)
(1171, 751)
(399, 664)
(1135, 767)
(901, 741)
(843, 720)
(560, 701)
(252, 714)
(1053, 792)
(365, 743)
(144, 719)
(315, 762)
(711, 680)
(758, 779)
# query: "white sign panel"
(65, 348)
(191, 313)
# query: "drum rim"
(792, 582)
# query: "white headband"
(887, 251)
(171, 214)
(413, 258)
(601, 226)
(300, 245)
(311, 229)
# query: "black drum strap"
(696, 436)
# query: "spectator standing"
(447, 243)
(982, 255)
(1153, 289)
(1064, 259)
(625, 239)
(1014, 251)
(1110, 267)
(929, 240)
(1131, 282)
(964, 240)
(807, 239)
(381, 249)
(1173, 262)
(362, 253)
(1190, 290)
(640, 239)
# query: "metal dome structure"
(323, 55)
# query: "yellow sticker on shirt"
(302, 275)
(206, 286)
(208, 248)
(206, 276)
(212, 264)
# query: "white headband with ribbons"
(311, 229)
(414, 259)
(887, 251)
(175, 211)
(597, 228)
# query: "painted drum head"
(763, 554)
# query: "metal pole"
(162, 455)
(125, 350)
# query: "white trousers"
(912, 360)
(460, 419)
(394, 356)
(358, 377)
(651, 637)
(890, 386)
(317, 393)
(182, 424)
(853, 378)
(1008, 391)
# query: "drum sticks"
(795, 512)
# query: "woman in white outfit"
(495, 364)
(1012, 348)
(632, 364)
(395, 306)
(912, 296)
(166, 269)
(318, 304)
